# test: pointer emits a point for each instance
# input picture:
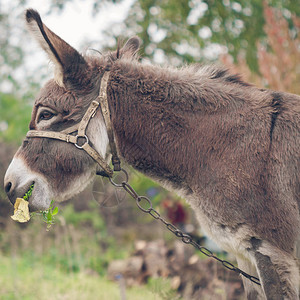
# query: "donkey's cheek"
(74, 186)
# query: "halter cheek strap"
(81, 140)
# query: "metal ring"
(120, 184)
(139, 199)
(81, 136)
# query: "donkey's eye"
(46, 115)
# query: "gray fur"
(231, 149)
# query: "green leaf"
(55, 211)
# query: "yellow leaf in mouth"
(21, 213)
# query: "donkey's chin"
(40, 199)
(75, 186)
(43, 194)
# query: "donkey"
(230, 149)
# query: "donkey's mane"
(211, 71)
(194, 87)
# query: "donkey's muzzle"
(9, 188)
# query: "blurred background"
(101, 246)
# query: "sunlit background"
(101, 246)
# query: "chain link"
(145, 205)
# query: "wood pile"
(193, 277)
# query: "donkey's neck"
(167, 121)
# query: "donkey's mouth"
(21, 209)
(20, 181)
(29, 192)
(24, 192)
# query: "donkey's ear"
(131, 47)
(69, 64)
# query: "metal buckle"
(81, 136)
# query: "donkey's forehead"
(55, 96)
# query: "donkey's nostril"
(8, 187)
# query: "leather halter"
(66, 136)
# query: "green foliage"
(30, 278)
(11, 49)
(162, 288)
(186, 30)
(28, 193)
(14, 118)
(92, 257)
(48, 215)
(89, 217)
(185, 27)
(78, 241)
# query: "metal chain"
(145, 205)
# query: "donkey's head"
(58, 169)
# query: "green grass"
(22, 278)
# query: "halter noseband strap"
(65, 135)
